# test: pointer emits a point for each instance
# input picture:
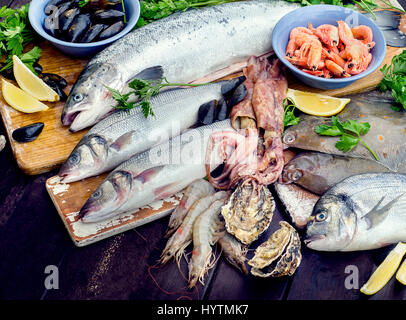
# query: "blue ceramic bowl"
(37, 17)
(318, 15)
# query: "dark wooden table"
(32, 237)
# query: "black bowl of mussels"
(81, 28)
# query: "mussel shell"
(108, 15)
(54, 86)
(60, 81)
(66, 18)
(50, 7)
(28, 133)
(238, 95)
(78, 27)
(221, 110)
(207, 112)
(92, 33)
(8, 73)
(101, 4)
(228, 88)
(37, 67)
(112, 30)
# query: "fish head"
(88, 157)
(332, 225)
(88, 101)
(111, 194)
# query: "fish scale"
(188, 46)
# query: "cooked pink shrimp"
(335, 69)
(328, 34)
(357, 55)
(298, 36)
(195, 191)
(344, 32)
(177, 243)
(207, 229)
(363, 33)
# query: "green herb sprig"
(15, 34)
(395, 80)
(350, 133)
(289, 119)
(144, 90)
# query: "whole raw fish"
(386, 137)
(184, 47)
(154, 174)
(362, 212)
(123, 134)
(318, 172)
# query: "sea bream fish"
(386, 137)
(181, 47)
(125, 133)
(155, 174)
(318, 172)
(362, 212)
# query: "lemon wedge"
(316, 104)
(385, 271)
(401, 274)
(32, 84)
(19, 99)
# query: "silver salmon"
(387, 136)
(362, 212)
(147, 177)
(182, 48)
(123, 134)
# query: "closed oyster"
(279, 255)
(249, 211)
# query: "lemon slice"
(401, 274)
(32, 84)
(385, 271)
(19, 99)
(316, 104)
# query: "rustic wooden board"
(70, 198)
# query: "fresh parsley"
(15, 34)
(289, 119)
(143, 90)
(394, 79)
(350, 133)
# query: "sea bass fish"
(362, 212)
(147, 177)
(318, 172)
(387, 136)
(182, 48)
(125, 133)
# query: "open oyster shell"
(283, 248)
(249, 211)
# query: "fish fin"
(152, 73)
(376, 216)
(397, 155)
(122, 141)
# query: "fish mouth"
(314, 238)
(68, 117)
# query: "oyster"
(249, 211)
(279, 255)
(2, 142)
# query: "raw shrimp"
(234, 251)
(177, 243)
(207, 229)
(195, 191)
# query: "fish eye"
(74, 158)
(321, 216)
(296, 175)
(288, 138)
(78, 97)
(97, 194)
